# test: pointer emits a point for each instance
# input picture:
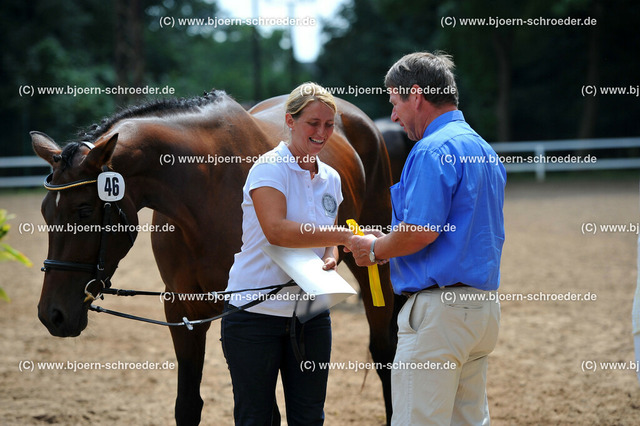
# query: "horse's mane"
(159, 107)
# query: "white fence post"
(539, 153)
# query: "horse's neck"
(159, 176)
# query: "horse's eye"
(85, 211)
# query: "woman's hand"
(329, 263)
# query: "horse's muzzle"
(61, 324)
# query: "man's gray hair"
(432, 72)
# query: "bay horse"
(147, 144)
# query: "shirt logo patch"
(330, 205)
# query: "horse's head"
(84, 247)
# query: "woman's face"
(311, 129)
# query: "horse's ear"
(101, 154)
(45, 147)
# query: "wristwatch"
(372, 254)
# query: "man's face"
(404, 113)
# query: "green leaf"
(4, 296)
(4, 216)
(9, 253)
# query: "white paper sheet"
(305, 268)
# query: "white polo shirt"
(308, 201)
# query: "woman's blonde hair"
(306, 93)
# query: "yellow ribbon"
(374, 275)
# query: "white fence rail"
(539, 162)
(21, 162)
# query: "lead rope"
(185, 322)
(296, 345)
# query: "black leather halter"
(104, 282)
(98, 269)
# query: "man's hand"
(375, 232)
(360, 247)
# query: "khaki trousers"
(440, 369)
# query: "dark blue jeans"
(259, 346)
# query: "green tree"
(96, 43)
(516, 82)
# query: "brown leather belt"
(433, 287)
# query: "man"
(445, 246)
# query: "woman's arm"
(271, 209)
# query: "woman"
(287, 187)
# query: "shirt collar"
(284, 151)
(441, 120)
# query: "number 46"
(110, 186)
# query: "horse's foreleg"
(383, 327)
(189, 346)
(174, 259)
